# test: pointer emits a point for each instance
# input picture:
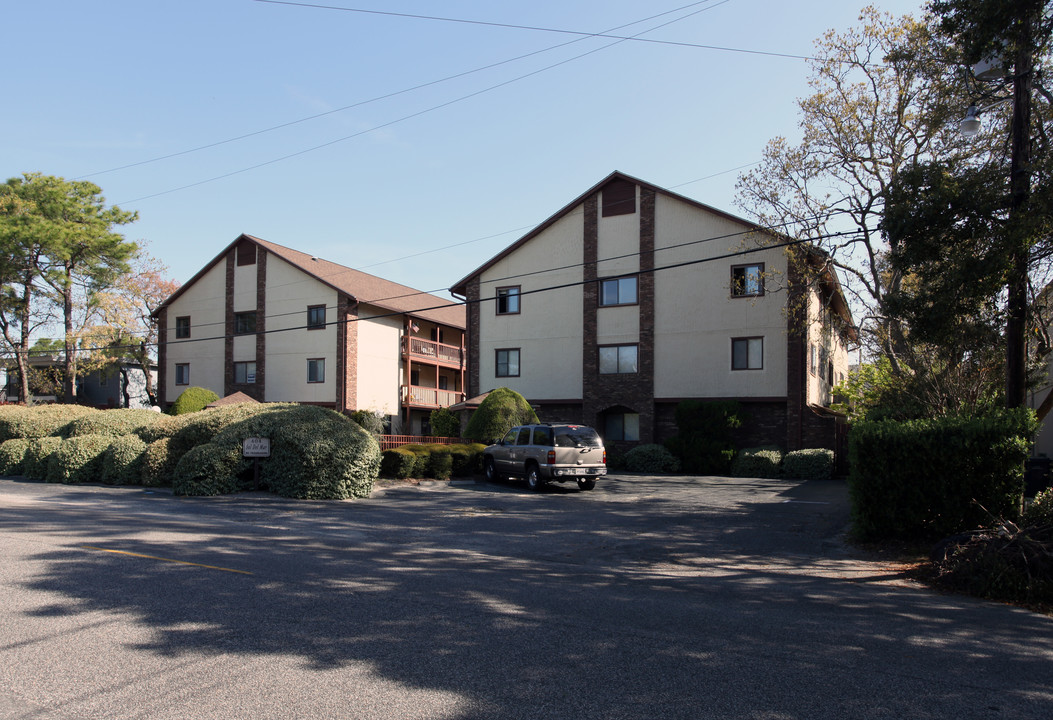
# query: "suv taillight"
(551, 457)
(605, 456)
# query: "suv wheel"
(533, 478)
(586, 483)
(490, 470)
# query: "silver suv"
(541, 453)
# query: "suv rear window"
(575, 435)
(543, 436)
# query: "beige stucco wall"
(821, 334)
(379, 360)
(549, 328)
(204, 303)
(289, 293)
(695, 315)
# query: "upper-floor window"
(507, 362)
(747, 280)
(315, 317)
(244, 322)
(618, 359)
(182, 327)
(244, 373)
(618, 291)
(747, 353)
(508, 300)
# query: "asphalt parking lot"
(648, 597)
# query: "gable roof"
(359, 286)
(460, 287)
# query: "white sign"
(256, 447)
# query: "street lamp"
(970, 124)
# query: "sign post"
(256, 448)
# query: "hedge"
(19, 421)
(157, 466)
(122, 463)
(77, 459)
(499, 412)
(811, 464)
(417, 461)
(115, 423)
(191, 400)
(927, 479)
(653, 459)
(12, 455)
(760, 462)
(38, 454)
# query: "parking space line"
(154, 557)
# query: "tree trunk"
(70, 381)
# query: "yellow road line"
(154, 557)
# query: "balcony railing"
(426, 397)
(431, 351)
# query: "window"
(182, 327)
(747, 280)
(507, 363)
(618, 291)
(444, 382)
(182, 374)
(508, 300)
(244, 323)
(543, 436)
(315, 317)
(316, 370)
(244, 373)
(747, 353)
(622, 426)
(414, 377)
(524, 436)
(618, 359)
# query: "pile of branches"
(1008, 562)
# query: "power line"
(605, 34)
(411, 115)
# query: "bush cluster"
(1039, 512)
(760, 462)
(499, 412)
(315, 453)
(652, 459)
(926, 479)
(811, 464)
(18, 421)
(440, 462)
(703, 441)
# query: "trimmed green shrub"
(398, 463)
(420, 459)
(1039, 512)
(703, 441)
(202, 427)
(209, 469)
(316, 453)
(445, 423)
(78, 460)
(115, 423)
(761, 462)
(467, 459)
(158, 467)
(440, 463)
(809, 464)
(927, 479)
(192, 400)
(165, 426)
(38, 454)
(12, 455)
(122, 463)
(17, 421)
(653, 459)
(370, 420)
(499, 412)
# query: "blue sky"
(422, 186)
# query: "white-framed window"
(619, 359)
(244, 373)
(506, 362)
(747, 353)
(182, 374)
(508, 300)
(747, 280)
(316, 370)
(618, 291)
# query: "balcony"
(433, 353)
(425, 397)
